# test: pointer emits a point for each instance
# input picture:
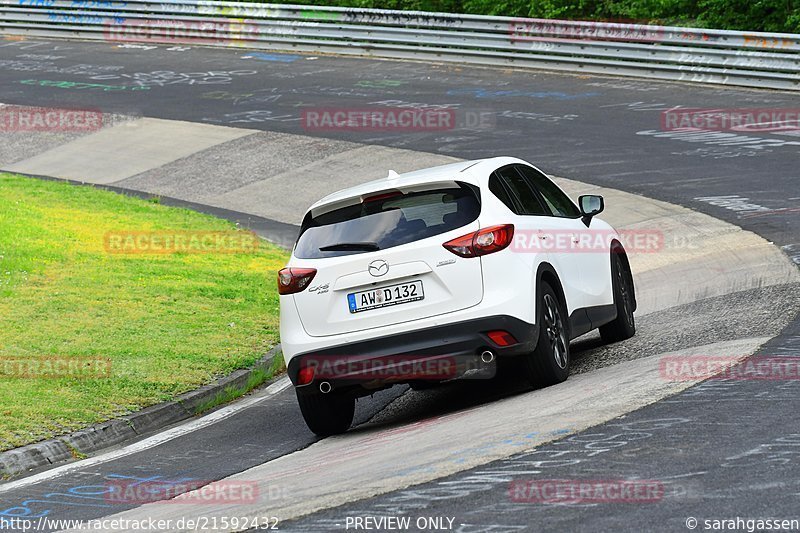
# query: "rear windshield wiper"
(347, 246)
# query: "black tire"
(549, 363)
(326, 414)
(423, 385)
(624, 326)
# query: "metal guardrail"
(767, 60)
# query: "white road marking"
(156, 440)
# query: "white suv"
(429, 276)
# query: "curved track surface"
(722, 449)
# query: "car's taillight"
(482, 242)
(293, 279)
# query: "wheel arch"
(617, 250)
(547, 273)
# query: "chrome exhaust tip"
(325, 387)
(487, 356)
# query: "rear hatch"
(380, 259)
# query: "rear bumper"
(437, 353)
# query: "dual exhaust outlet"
(487, 356)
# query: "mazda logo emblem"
(378, 267)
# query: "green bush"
(505, 8)
(766, 15)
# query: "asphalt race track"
(721, 449)
(598, 130)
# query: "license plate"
(402, 293)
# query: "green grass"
(230, 393)
(168, 323)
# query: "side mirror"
(591, 205)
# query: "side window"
(520, 192)
(559, 203)
(499, 190)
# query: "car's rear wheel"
(423, 385)
(326, 414)
(623, 327)
(549, 363)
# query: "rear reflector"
(482, 242)
(501, 337)
(306, 375)
(292, 280)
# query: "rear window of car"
(387, 221)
